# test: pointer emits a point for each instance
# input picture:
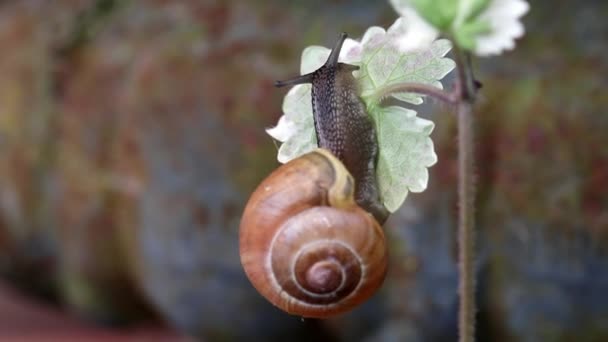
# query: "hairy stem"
(466, 199)
(466, 230)
(463, 95)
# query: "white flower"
(501, 16)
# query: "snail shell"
(305, 244)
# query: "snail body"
(343, 126)
(306, 245)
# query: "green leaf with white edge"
(385, 58)
(313, 57)
(296, 127)
(384, 65)
(406, 151)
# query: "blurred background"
(132, 133)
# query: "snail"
(310, 237)
(306, 245)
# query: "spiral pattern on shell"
(305, 244)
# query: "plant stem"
(466, 200)
(463, 95)
(466, 231)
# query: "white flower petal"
(503, 17)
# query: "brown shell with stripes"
(305, 244)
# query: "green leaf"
(313, 57)
(406, 150)
(298, 116)
(384, 65)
